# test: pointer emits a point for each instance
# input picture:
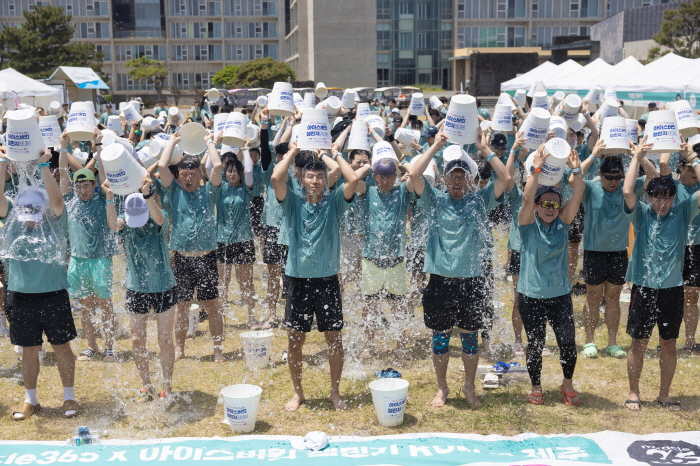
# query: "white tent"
(565, 69)
(668, 74)
(524, 81)
(14, 81)
(582, 79)
(628, 65)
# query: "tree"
(679, 32)
(226, 76)
(176, 91)
(153, 71)
(263, 72)
(42, 44)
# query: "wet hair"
(661, 187)
(385, 167)
(478, 102)
(484, 171)
(542, 190)
(282, 148)
(642, 123)
(244, 111)
(412, 118)
(316, 166)
(225, 157)
(189, 162)
(355, 152)
(303, 158)
(444, 100)
(214, 109)
(528, 99)
(612, 164)
(175, 171)
(417, 125)
(435, 114)
(237, 165)
(392, 100)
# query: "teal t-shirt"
(89, 234)
(385, 232)
(684, 192)
(272, 212)
(457, 231)
(297, 188)
(258, 180)
(606, 226)
(485, 114)
(419, 225)
(515, 199)
(35, 276)
(148, 257)
(314, 234)
(544, 262)
(143, 144)
(233, 214)
(356, 217)
(193, 217)
(659, 243)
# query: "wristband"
(537, 170)
(298, 120)
(576, 171)
(148, 196)
(98, 144)
(587, 113)
(5, 160)
(693, 164)
(373, 133)
(490, 157)
(63, 150)
(45, 164)
(336, 154)
(264, 122)
(109, 202)
(211, 142)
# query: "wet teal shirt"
(659, 243)
(356, 217)
(457, 231)
(314, 234)
(233, 214)
(89, 235)
(683, 192)
(515, 199)
(193, 217)
(258, 180)
(148, 257)
(385, 232)
(272, 212)
(544, 262)
(419, 225)
(297, 188)
(606, 226)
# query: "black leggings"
(559, 312)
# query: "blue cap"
(458, 163)
(431, 132)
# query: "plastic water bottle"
(84, 437)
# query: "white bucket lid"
(253, 133)
(559, 96)
(558, 126)
(55, 108)
(213, 95)
(377, 123)
(156, 148)
(149, 124)
(486, 124)
(192, 138)
(261, 101)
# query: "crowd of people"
(343, 227)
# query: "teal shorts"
(90, 277)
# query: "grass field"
(107, 391)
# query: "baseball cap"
(108, 105)
(542, 190)
(31, 205)
(395, 110)
(457, 164)
(612, 165)
(83, 175)
(136, 210)
(431, 132)
(499, 140)
(315, 441)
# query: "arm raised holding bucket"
(526, 216)
(153, 209)
(418, 168)
(279, 174)
(52, 189)
(113, 222)
(217, 166)
(630, 180)
(569, 210)
(4, 203)
(166, 177)
(503, 176)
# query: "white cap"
(31, 205)
(315, 441)
(136, 210)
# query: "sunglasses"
(613, 177)
(550, 204)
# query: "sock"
(30, 396)
(68, 395)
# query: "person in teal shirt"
(150, 281)
(106, 114)
(485, 114)
(455, 294)
(34, 225)
(192, 207)
(313, 221)
(656, 272)
(544, 288)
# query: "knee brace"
(470, 342)
(441, 342)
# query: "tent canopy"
(581, 79)
(24, 86)
(628, 65)
(84, 78)
(524, 81)
(565, 69)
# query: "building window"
(573, 12)
(446, 36)
(383, 9)
(237, 7)
(535, 9)
(382, 77)
(383, 36)
(460, 9)
(501, 9)
(406, 41)
(421, 41)
(446, 9)
(405, 9)
(106, 50)
(423, 10)
(269, 8)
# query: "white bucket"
(235, 130)
(594, 94)
(578, 124)
(145, 156)
(241, 406)
(122, 105)
(50, 131)
(261, 101)
(220, 122)
(135, 104)
(296, 129)
(461, 121)
(123, 172)
(389, 397)
(535, 128)
(521, 97)
(80, 156)
(362, 111)
(694, 140)
(383, 150)
(149, 124)
(485, 125)
(81, 122)
(213, 95)
(558, 126)
(502, 118)
(156, 148)
(632, 131)
(299, 101)
(55, 108)
(315, 130)
(558, 97)
(280, 101)
(192, 138)
(257, 347)
(540, 100)
(331, 104)
(110, 137)
(358, 139)
(504, 99)
(310, 99)
(537, 86)
(663, 132)
(609, 108)
(685, 118)
(172, 112)
(417, 104)
(429, 173)
(435, 102)
(131, 115)
(114, 123)
(23, 137)
(348, 100)
(572, 105)
(558, 151)
(377, 124)
(321, 91)
(614, 132)
(253, 133)
(611, 94)
(455, 152)
(406, 136)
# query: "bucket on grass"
(315, 130)
(521, 97)
(235, 130)
(23, 137)
(389, 397)
(192, 138)
(280, 101)
(114, 123)
(663, 132)
(557, 151)
(535, 128)
(417, 104)
(461, 121)
(50, 131)
(502, 118)
(540, 100)
(257, 347)
(124, 173)
(358, 139)
(241, 406)
(614, 132)
(81, 122)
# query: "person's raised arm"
(510, 163)
(113, 222)
(65, 182)
(593, 137)
(280, 132)
(503, 176)
(279, 174)
(52, 189)
(287, 136)
(340, 140)
(166, 176)
(217, 166)
(631, 178)
(596, 153)
(4, 203)
(153, 209)
(351, 179)
(568, 212)
(333, 167)
(132, 133)
(404, 123)
(247, 164)
(418, 168)
(265, 153)
(428, 117)
(664, 168)
(526, 216)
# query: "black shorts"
(576, 230)
(649, 307)
(198, 273)
(273, 253)
(691, 266)
(141, 303)
(454, 302)
(514, 264)
(415, 262)
(236, 253)
(36, 313)
(256, 209)
(501, 214)
(601, 266)
(309, 296)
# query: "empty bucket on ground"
(257, 347)
(241, 406)
(389, 397)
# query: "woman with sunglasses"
(544, 287)
(605, 244)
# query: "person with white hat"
(313, 221)
(454, 296)
(150, 282)
(193, 238)
(37, 284)
(92, 247)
